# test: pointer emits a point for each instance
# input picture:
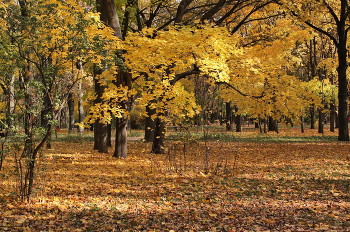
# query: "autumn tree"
(42, 41)
(329, 18)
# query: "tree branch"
(238, 91)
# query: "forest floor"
(195, 186)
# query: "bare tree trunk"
(238, 121)
(320, 122)
(159, 136)
(11, 106)
(312, 117)
(302, 124)
(149, 124)
(273, 126)
(228, 116)
(121, 138)
(81, 113)
(342, 77)
(96, 135)
(109, 135)
(332, 118)
(103, 145)
(70, 113)
(46, 116)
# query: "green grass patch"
(73, 138)
(231, 137)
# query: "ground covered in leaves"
(195, 186)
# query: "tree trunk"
(320, 122)
(238, 121)
(96, 135)
(273, 126)
(228, 120)
(109, 135)
(100, 130)
(302, 124)
(342, 79)
(159, 136)
(81, 113)
(102, 134)
(121, 138)
(312, 117)
(221, 119)
(256, 125)
(11, 106)
(149, 124)
(70, 113)
(332, 118)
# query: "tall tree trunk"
(96, 135)
(103, 143)
(121, 138)
(159, 136)
(228, 120)
(265, 126)
(342, 78)
(312, 117)
(302, 124)
(272, 126)
(238, 120)
(109, 135)
(28, 115)
(46, 117)
(81, 113)
(71, 121)
(320, 122)
(256, 125)
(11, 106)
(109, 16)
(332, 118)
(149, 124)
(100, 129)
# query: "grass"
(251, 135)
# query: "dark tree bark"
(181, 10)
(109, 15)
(320, 122)
(332, 118)
(46, 116)
(273, 125)
(70, 113)
(217, 7)
(109, 135)
(96, 135)
(342, 77)
(302, 124)
(149, 124)
(228, 119)
(159, 136)
(312, 117)
(238, 121)
(81, 112)
(121, 138)
(102, 134)
(100, 129)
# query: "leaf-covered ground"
(232, 186)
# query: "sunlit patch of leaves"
(265, 186)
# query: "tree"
(329, 18)
(42, 41)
